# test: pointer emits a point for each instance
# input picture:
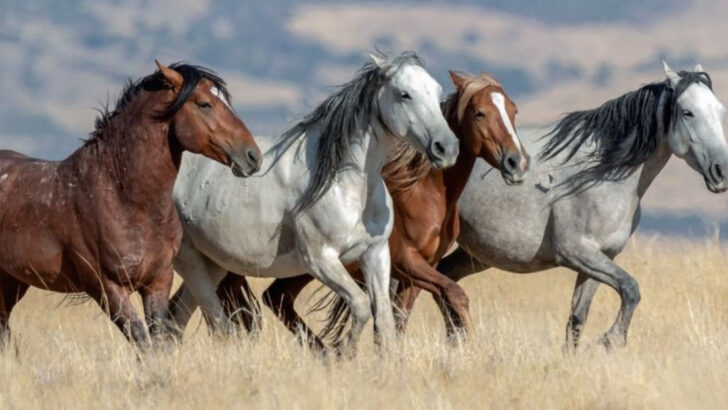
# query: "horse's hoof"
(612, 342)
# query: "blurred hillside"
(58, 60)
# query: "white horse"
(321, 203)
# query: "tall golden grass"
(676, 357)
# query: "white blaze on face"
(500, 103)
(220, 96)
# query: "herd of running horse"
(381, 178)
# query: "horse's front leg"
(584, 291)
(201, 277)
(404, 300)
(327, 268)
(591, 262)
(375, 263)
(115, 300)
(155, 297)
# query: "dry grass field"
(677, 355)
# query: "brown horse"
(102, 221)
(426, 222)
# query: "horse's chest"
(352, 223)
(133, 250)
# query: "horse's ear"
(699, 68)
(671, 74)
(458, 80)
(380, 61)
(172, 76)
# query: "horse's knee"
(630, 292)
(360, 309)
(457, 298)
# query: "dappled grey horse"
(581, 202)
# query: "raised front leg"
(155, 298)
(584, 291)
(595, 265)
(375, 263)
(451, 298)
(327, 268)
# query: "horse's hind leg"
(280, 297)
(584, 291)
(155, 298)
(11, 291)
(596, 265)
(239, 302)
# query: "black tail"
(337, 316)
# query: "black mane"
(626, 131)
(344, 116)
(191, 75)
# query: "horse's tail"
(337, 315)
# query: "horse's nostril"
(438, 148)
(511, 163)
(718, 170)
(253, 157)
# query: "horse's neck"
(370, 152)
(652, 167)
(456, 177)
(137, 156)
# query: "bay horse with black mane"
(426, 222)
(102, 221)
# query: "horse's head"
(697, 131)
(409, 105)
(203, 121)
(486, 121)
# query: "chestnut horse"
(102, 221)
(426, 222)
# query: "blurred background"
(59, 60)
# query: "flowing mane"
(625, 131)
(191, 75)
(345, 115)
(406, 165)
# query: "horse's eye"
(405, 95)
(687, 113)
(479, 115)
(204, 105)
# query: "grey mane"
(626, 131)
(345, 116)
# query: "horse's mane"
(406, 165)
(191, 75)
(626, 131)
(345, 115)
